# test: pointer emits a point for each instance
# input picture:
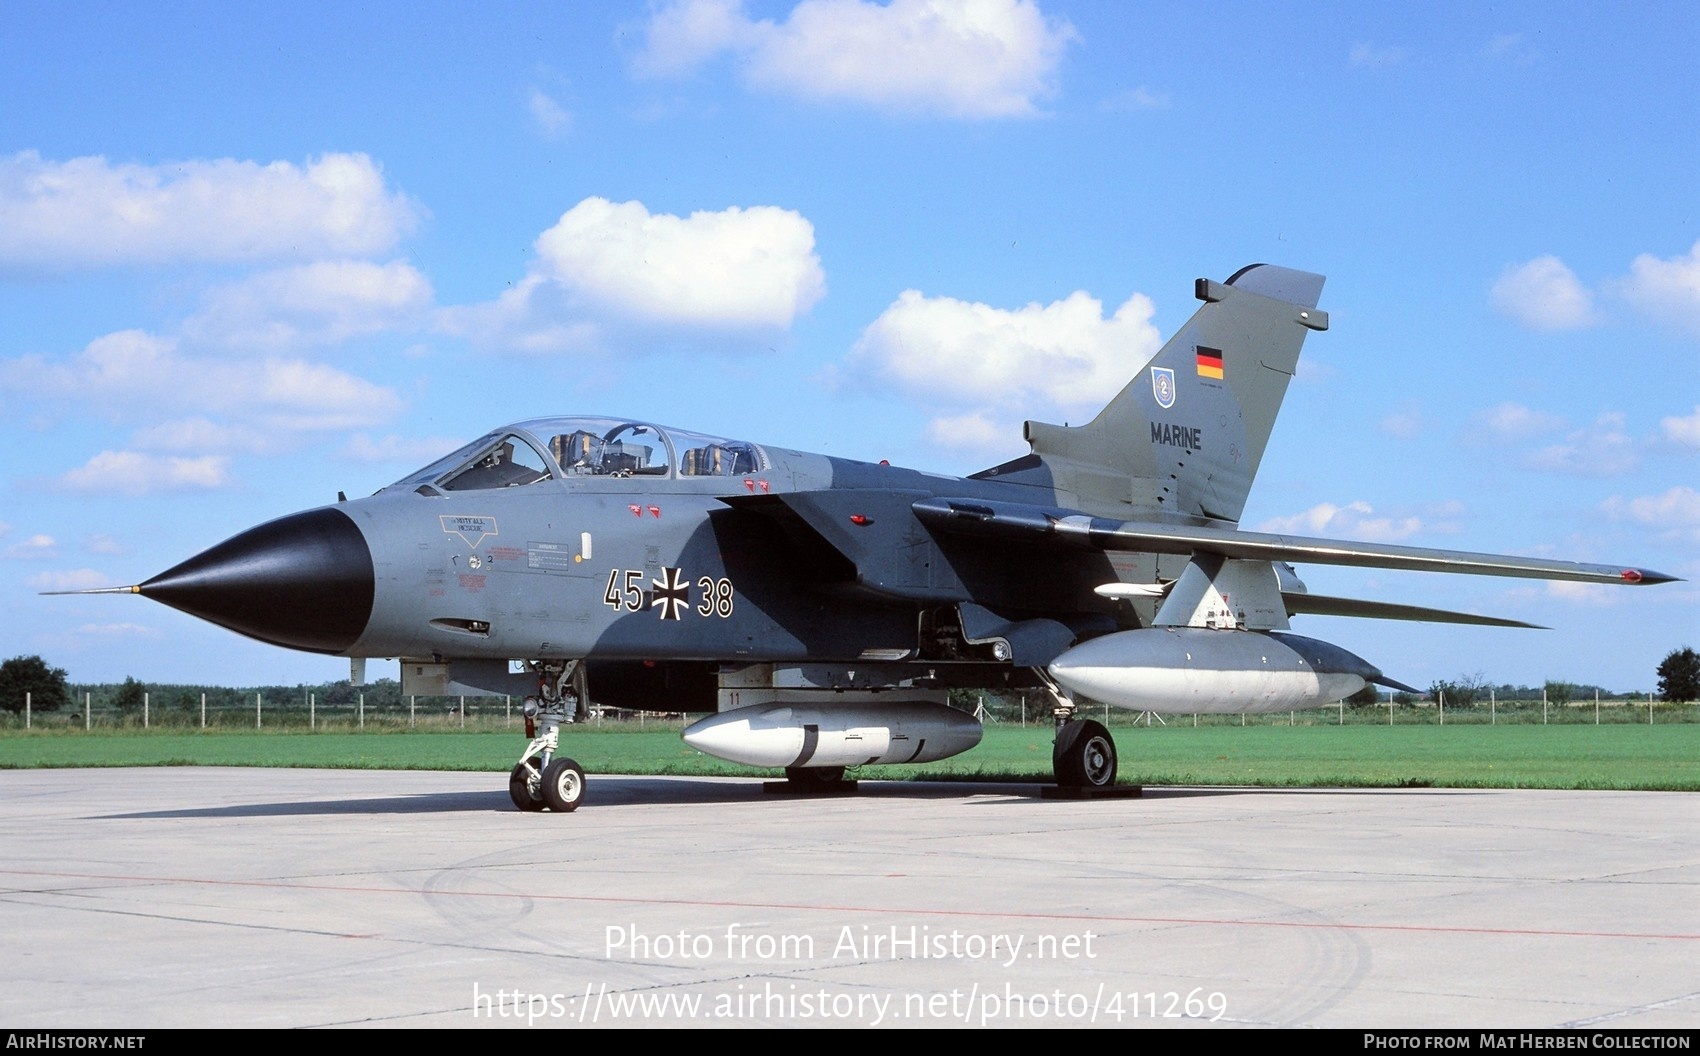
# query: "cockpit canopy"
(567, 448)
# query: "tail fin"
(1189, 430)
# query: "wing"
(1033, 523)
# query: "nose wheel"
(523, 788)
(563, 785)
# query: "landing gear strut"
(541, 778)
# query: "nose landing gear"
(541, 778)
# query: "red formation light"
(860, 521)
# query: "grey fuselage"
(674, 566)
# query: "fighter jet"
(820, 609)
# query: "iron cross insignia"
(671, 594)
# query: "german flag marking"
(1209, 362)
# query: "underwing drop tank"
(821, 735)
(1206, 671)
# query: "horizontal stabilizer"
(1019, 521)
(1318, 605)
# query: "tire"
(563, 785)
(815, 778)
(519, 789)
(1084, 756)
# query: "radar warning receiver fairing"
(821, 609)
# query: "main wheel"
(519, 789)
(563, 785)
(815, 778)
(1084, 756)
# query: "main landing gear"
(541, 778)
(811, 781)
(1084, 755)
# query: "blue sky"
(251, 255)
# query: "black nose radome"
(302, 581)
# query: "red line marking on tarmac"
(698, 903)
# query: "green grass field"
(1620, 756)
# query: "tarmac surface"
(300, 898)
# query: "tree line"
(50, 689)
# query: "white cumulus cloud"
(1513, 421)
(119, 630)
(959, 58)
(1667, 289)
(91, 212)
(36, 547)
(324, 302)
(311, 397)
(739, 267)
(1683, 430)
(1601, 450)
(1675, 513)
(101, 543)
(134, 473)
(138, 377)
(612, 265)
(1355, 520)
(422, 451)
(683, 35)
(552, 118)
(1543, 294)
(75, 579)
(202, 434)
(975, 431)
(1591, 593)
(1066, 352)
